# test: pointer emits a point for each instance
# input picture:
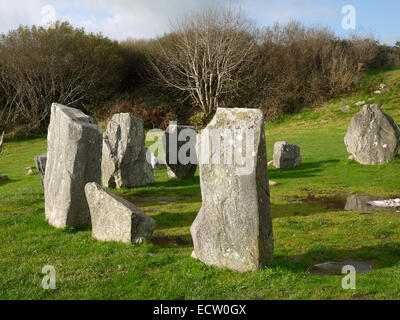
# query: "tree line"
(215, 57)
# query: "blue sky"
(120, 19)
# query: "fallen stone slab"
(124, 163)
(390, 203)
(373, 137)
(74, 144)
(116, 219)
(233, 228)
(286, 155)
(335, 268)
(40, 162)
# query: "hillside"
(310, 224)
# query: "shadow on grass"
(4, 182)
(167, 220)
(73, 230)
(383, 256)
(306, 169)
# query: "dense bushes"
(279, 69)
(39, 66)
(299, 65)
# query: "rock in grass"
(233, 228)
(346, 109)
(74, 144)
(286, 155)
(179, 144)
(124, 161)
(4, 177)
(272, 183)
(40, 162)
(115, 219)
(360, 103)
(373, 136)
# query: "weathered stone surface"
(360, 103)
(40, 162)
(233, 228)
(74, 144)
(286, 155)
(373, 136)
(124, 161)
(179, 144)
(116, 219)
(4, 177)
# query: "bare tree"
(207, 55)
(1, 143)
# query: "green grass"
(306, 232)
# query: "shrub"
(153, 117)
(61, 64)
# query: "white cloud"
(120, 19)
(268, 12)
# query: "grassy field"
(307, 228)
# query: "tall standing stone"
(180, 151)
(74, 145)
(233, 228)
(40, 162)
(286, 155)
(373, 137)
(124, 162)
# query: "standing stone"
(180, 151)
(74, 144)
(233, 228)
(286, 155)
(373, 136)
(41, 165)
(116, 219)
(124, 163)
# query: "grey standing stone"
(372, 137)
(40, 162)
(116, 219)
(179, 144)
(233, 228)
(124, 162)
(74, 144)
(286, 155)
